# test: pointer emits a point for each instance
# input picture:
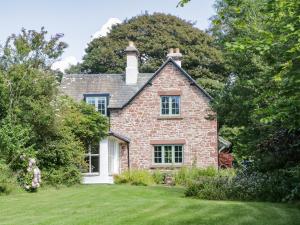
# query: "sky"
(80, 20)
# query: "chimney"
(132, 64)
(175, 55)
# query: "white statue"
(36, 179)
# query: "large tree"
(261, 103)
(34, 120)
(154, 35)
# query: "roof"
(76, 85)
(223, 143)
(119, 136)
(193, 82)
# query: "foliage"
(63, 176)
(158, 177)
(212, 188)
(83, 121)
(280, 185)
(31, 48)
(7, 180)
(135, 177)
(154, 35)
(183, 2)
(15, 142)
(260, 40)
(34, 119)
(186, 175)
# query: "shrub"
(212, 188)
(185, 176)
(280, 185)
(135, 177)
(64, 176)
(7, 179)
(158, 177)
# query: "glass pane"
(165, 105)
(157, 154)
(175, 105)
(95, 164)
(90, 100)
(178, 154)
(95, 148)
(87, 148)
(102, 105)
(87, 161)
(168, 154)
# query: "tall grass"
(135, 177)
(186, 175)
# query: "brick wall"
(141, 122)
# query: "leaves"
(261, 46)
(153, 35)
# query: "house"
(158, 120)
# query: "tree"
(261, 42)
(31, 123)
(154, 35)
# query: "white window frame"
(97, 99)
(170, 105)
(163, 155)
(90, 154)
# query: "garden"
(248, 61)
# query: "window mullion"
(96, 105)
(105, 106)
(170, 105)
(163, 154)
(173, 153)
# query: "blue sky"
(79, 20)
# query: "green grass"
(122, 204)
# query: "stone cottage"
(157, 120)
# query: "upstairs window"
(100, 103)
(170, 105)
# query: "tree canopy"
(262, 100)
(154, 35)
(35, 121)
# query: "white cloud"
(67, 62)
(64, 64)
(105, 29)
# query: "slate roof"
(76, 85)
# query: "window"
(168, 154)
(170, 105)
(92, 159)
(99, 102)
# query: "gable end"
(149, 82)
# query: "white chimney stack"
(132, 64)
(175, 55)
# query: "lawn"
(121, 204)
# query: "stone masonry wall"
(141, 122)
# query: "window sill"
(166, 166)
(170, 118)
